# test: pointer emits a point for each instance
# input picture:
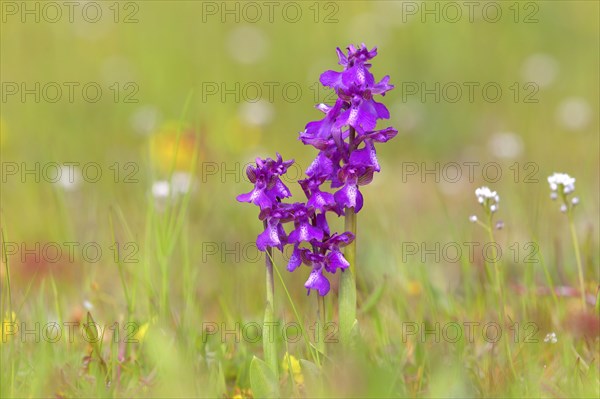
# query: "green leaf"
(313, 378)
(269, 341)
(217, 381)
(263, 381)
(94, 338)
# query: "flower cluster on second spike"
(347, 159)
(309, 222)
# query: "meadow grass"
(169, 350)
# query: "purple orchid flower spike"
(355, 110)
(346, 138)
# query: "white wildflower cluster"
(561, 184)
(562, 181)
(551, 338)
(488, 199)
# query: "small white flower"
(161, 189)
(563, 180)
(69, 177)
(551, 338)
(499, 225)
(472, 218)
(553, 195)
(563, 208)
(180, 184)
(494, 208)
(575, 201)
(88, 305)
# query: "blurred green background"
(171, 62)
(169, 52)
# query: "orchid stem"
(322, 320)
(347, 293)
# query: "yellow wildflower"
(173, 146)
(414, 288)
(141, 332)
(290, 360)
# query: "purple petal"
(282, 235)
(362, 116)
(295, 259)
(382, 87)
(366, 156)
(357, 75)
(335, 260)
(331, 79)
(305, 232)
(321, 200)
(318, 129)
(318, 143)
(368, 114)
(316, 281)
(321, 166)
(251, 173)
(381, 110)
(382, 136)
(280, 190)
(349, 196)
(322, 223)
(366, 177)
(269, 237)
(341, 239)
(343, 60)
(256, 197)
(323, 108)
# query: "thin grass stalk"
(500, 294)
(269, 343)
(577, 257)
